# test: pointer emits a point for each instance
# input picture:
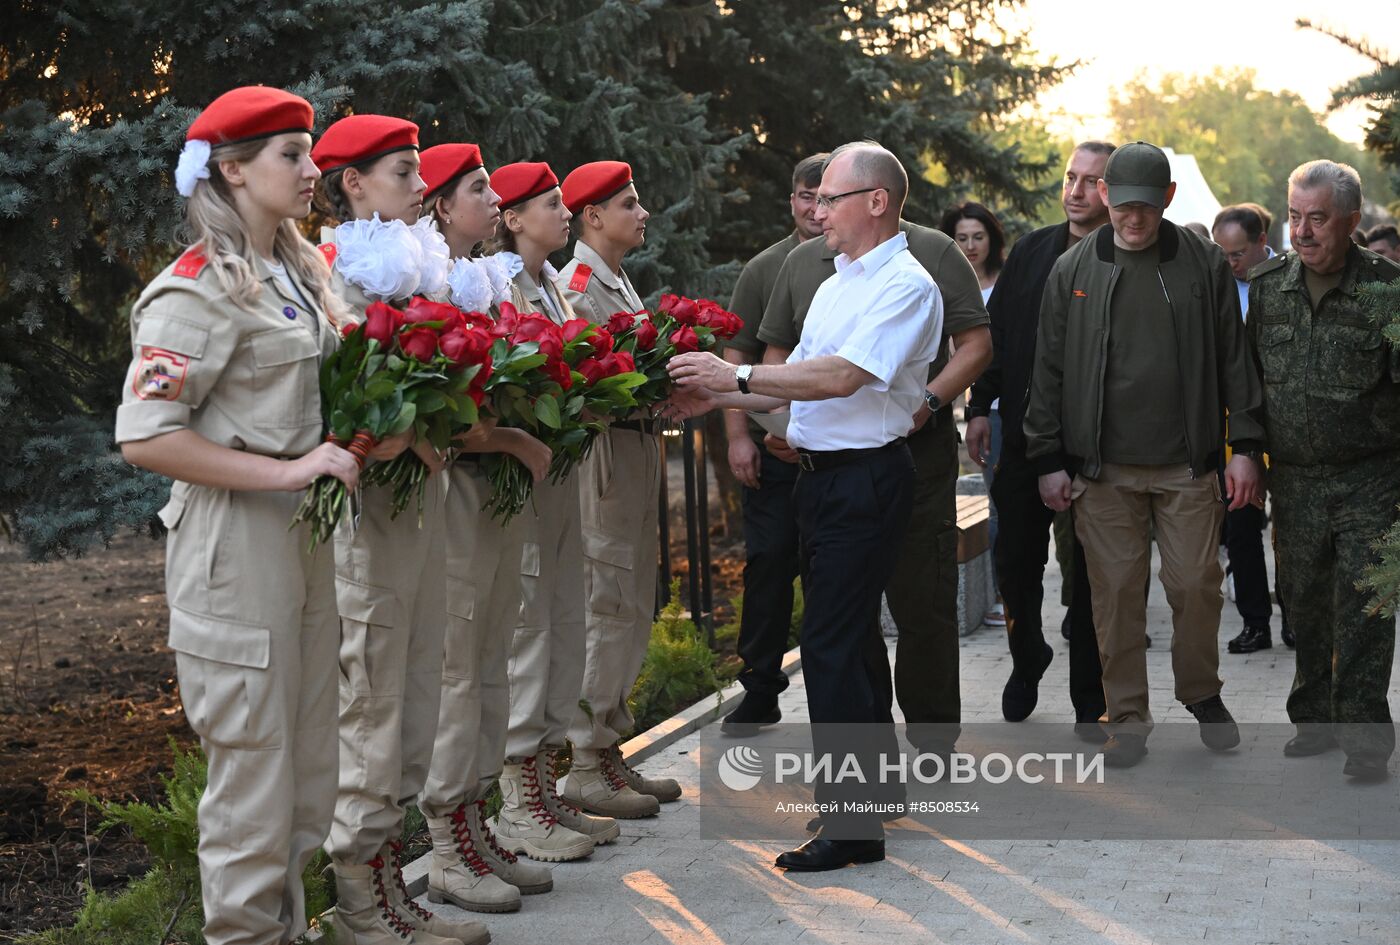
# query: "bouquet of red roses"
(459, 344)
(678, 325)
(424, 369)
(603, 384)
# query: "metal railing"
(700, 582)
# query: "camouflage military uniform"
(1332, 416)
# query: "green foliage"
(1382, 579)
(1380, 89)
(1246, 140)
(711, 104)
(165, 904)
(679, 668)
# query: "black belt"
(641, 426)
(816, 461)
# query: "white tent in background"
(1193, 200)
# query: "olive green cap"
(1138, 173)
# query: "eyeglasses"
(826, 203)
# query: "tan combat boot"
(526, 825)
(526, 877)
(466, 931)
(459, 874)
(596, 785)
(364, 915)
(663, 789)
(601, 829)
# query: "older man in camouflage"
(1332, 416)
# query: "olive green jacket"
(1217, 369)
(1331, 380)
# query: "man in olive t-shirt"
(923, 594)
(770, 523)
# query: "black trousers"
(852, 518)
(1021, 552)
(1244, 543)
(770, 566)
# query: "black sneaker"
(1218, 729)
(1020, 694)
(1251, 639)
(752, 713)
(1124, 751)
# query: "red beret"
(253, 111)
(362, 138)
(594, 183)
(444, 163)
(517, 183)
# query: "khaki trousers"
(253, 626)
(483, 601)
(547, 650)
(1113, 517)
(389, 588)
(618, 488)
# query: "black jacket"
(1015, 311)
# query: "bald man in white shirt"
(854, 381)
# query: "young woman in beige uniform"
(389, 571)
(546, 655)
(222, 396)
(469, 869)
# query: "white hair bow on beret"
(193, 166)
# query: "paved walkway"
(661, 882)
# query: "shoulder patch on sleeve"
(329, 251)
(160, 374)
(192, 263)
(1269, 265)
(579, 282)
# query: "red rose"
(685, 339)
(463, 347)
(620, 322)
(478, 320)
(575, 327)
(540, 329)
(710, 312)
(602, 343)
(423, 310)
(348, 328)
(483, 375)
(381, 322)
(646, 334)
(420, 343)
(505, 325)
(592, 370)
(619, 362)
(680, 308)
(557, 370)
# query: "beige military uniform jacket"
(245, 379)
(594, 290)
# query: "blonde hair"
(212, 220)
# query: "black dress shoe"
(1366, 769)
(752, 713)
(1021, 693)
(1218, 729)
(1308, 743)
(1124, 751)
(820, 854)
(1252, 639)
(1285, 634)
(1064, 628)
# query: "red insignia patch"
(160, 374)
(329, 251)
(579, 283)
(1079, 294)
(191, 264)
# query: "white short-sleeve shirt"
(883, 313)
